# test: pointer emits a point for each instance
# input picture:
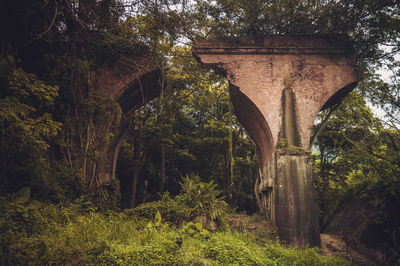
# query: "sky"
(385, 76)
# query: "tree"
(358, 165)
(67, 43)
(27, 131)
(347, 127)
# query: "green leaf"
(157, 219)
(199, 226)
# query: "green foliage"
(366, 23)
(202, 198)
(34, 233)
(31, 91)
(171, 210)
(56, 47)
(228, 248)
(358, 162)
(196, 198)
(157, 250)
(282, 143)
(195, 230)
(191, 122)
(27, 129)
(157, 224)
(22, 196)
(20, 223)
(24, 112)
(291, 256)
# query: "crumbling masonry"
(278, 86)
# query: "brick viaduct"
(278, 86)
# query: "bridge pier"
(278, 86)
(296, 210)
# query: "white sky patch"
(385, 75)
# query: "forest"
(90, 176)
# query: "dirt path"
(331, 245)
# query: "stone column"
(296, 211)
(278, 86)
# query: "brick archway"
(278, 86)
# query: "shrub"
(292, 256)
(159, 249)
(23, 227)
(231, 248)
(202, 198)
(196, 198)
(171, 210)
(35, 233)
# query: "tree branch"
(46, 31)
(323, 124)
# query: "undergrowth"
(36, 233)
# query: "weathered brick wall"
(314, 66)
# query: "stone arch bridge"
(278, 86)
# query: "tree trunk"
(227, 176)
(162, 171)
(137, 160)
(261, 208)
(242, 177)
(132, 201)
(323, 186)
(125, 126)
(323, 124)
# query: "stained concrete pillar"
(278, 86)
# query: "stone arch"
(131, 82)
(257, 128)
(338, 96)
(255, 124)
(334, 99)
(280, 83)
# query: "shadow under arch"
(259, 132)
(339, 96)
(254, 122)
(335, 99)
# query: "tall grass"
(36, 233)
